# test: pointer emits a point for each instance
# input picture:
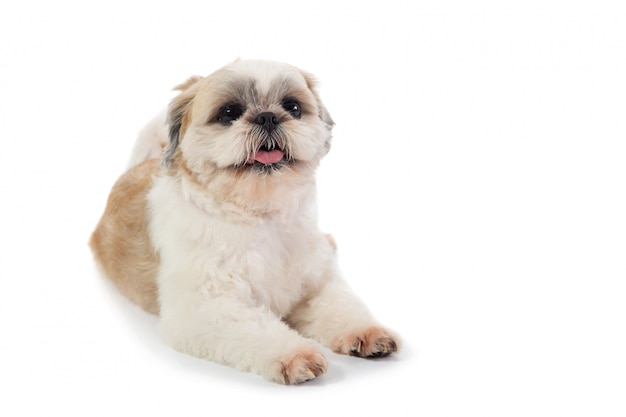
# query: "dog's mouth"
(268, 159)
(266, 156)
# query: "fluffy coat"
(220, 238)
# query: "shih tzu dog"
(217, 234)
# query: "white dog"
(220, 237)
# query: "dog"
(219, 236)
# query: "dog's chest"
(282, 263)
(271, 262)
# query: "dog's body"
(221, 239)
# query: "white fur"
(244, 278)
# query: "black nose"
(267, 120)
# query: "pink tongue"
(267, 157)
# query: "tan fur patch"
(179, 114)
(188, 83)
(121, 243)
(304, 365)
(371, 343)
(311, 83)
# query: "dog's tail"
(151, 140)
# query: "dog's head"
(261, 122)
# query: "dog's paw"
(303, 365)
(374, 342)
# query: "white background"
(476, 188)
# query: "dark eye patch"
(292, 106)
(229, 113)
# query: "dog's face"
(257, 121)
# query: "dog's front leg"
(338, 319)
(230, 331)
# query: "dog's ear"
(178, 117)
(324, 115)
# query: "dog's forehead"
(260, 82)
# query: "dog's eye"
(229, 113)
(293, 107)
